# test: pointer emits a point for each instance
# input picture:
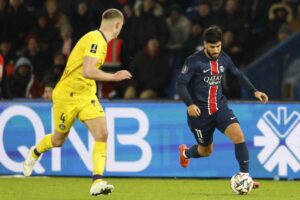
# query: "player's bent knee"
(58, 142)
(239, 138)
(101, 137)
(205, 151)
(205, 154)
(58, 139)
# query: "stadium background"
(262, 37)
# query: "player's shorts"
(203, 127)
(66, 108)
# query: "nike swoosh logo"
(204, 71)
(232, 118)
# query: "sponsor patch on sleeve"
(184, 69)
(93, 48)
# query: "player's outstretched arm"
(90, 71)
(261, 96)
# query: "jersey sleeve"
(93, 47)
(241, 76)
(183, 81)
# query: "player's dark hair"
(212, 34)
(112, 13)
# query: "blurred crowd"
(37, 36)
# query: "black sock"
(36, 152)
(242, 156)
(97, 176)
(192, 152)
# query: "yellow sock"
(99, 159)
(44, 145)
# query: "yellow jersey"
(73, 82)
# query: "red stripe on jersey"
(212, 99)
(214, 67)
(212, 95)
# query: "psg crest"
(221, 69)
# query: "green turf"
(141, 189)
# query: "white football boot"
(101, 188)
(29, 163)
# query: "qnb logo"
(84, 149)
(280, 141)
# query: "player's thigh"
(228, 123)
(64, 114)
(93, 116)
(90, 108)
(235, 133)
(225, 117)
(203, 130)
(98, 128)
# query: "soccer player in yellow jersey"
(75, 96)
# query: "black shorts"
(203, 127)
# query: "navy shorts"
(203, 127)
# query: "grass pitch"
(59, 188)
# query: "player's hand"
(194, 111)
(261, 96)
(121, 75)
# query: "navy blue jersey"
(200, 81)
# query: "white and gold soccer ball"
(241, 183)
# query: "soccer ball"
(241, 183)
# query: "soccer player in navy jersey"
(199, 86)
